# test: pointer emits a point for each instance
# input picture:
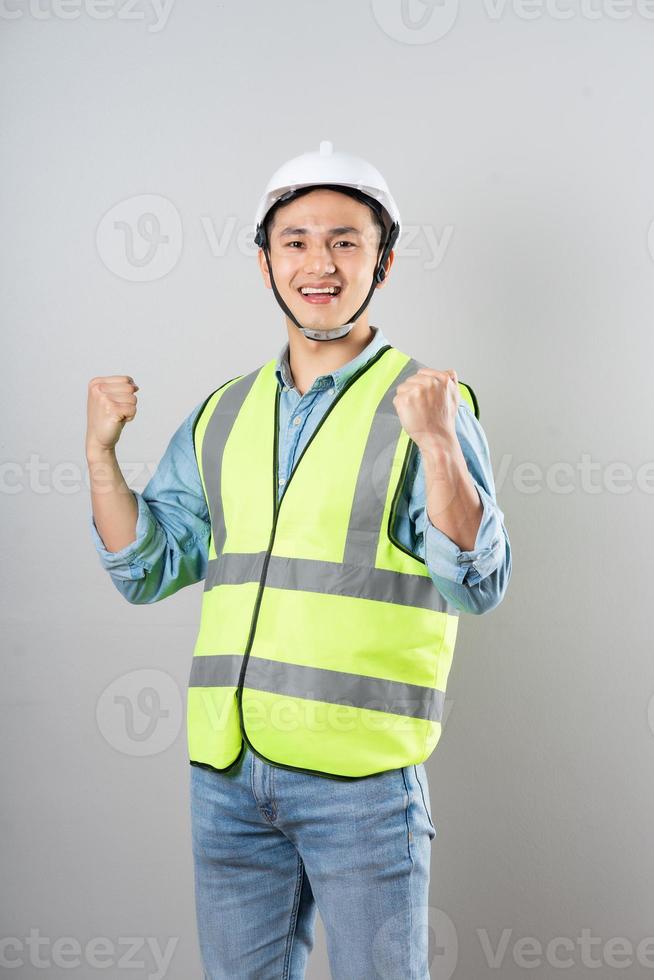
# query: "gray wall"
(518, 143)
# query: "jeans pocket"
(423, 790)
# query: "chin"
(316, 320)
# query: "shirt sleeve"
(474, 581)
(170, 549)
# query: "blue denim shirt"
(173, 527)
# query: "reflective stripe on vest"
(322, 639)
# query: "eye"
(341, 242)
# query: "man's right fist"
(111, 403)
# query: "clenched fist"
(111, 403)
(426, 404)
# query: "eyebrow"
(341, 230)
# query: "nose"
(318, 259)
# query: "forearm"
(471, 568)
(453, 504)
(166, 547)
(115, 509)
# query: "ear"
(263, 265)
(387, 269)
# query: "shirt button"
(297, 420)
(282, 480)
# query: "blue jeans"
(272, 846)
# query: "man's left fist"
(426, 404)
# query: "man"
(331, 599)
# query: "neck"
(310, 358)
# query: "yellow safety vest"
(323, 641)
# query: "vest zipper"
(255, 614)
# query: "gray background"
(521, 140)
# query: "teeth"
(306, 290)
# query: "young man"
(339, 503)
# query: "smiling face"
(324, 248)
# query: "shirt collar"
(341, 375)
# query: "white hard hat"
(329, 167)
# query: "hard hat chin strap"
(337, 332)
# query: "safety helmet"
(335, 171)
